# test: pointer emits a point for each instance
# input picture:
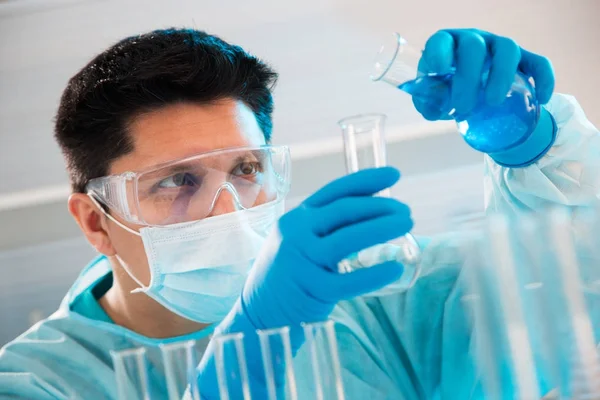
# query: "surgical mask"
(198, 269)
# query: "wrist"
(236, 321)
(290, 306)
(533, 148)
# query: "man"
(165, 138)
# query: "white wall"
(323, 50)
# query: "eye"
(178, 180)
(247, 168)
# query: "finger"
(541, 70)
(438, 56)
(437, 107)
(506, 55)
(362, 183)
(361, 281)
(352, 210)
(471, 52)
(296, 225)
(351, 239)
(424, 108)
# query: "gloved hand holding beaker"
(489, 85)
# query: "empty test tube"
(277, 359)
(322, 346)
(579, 353)
(131, 373)
(534, 331)
(180, 361)
(523, 375)
(232, 369)
(504, 354)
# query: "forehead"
(186, 129)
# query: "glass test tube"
(322, 346)
(579, 352)
(276, 350)
(180, 361)
(504, 354)
(232, 369)
(587, 226)
(364, 147)
(503, 274)
(586, 223)
(534, 334)
(131, 373)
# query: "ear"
(92, 222)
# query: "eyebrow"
(186, 167)
(250, 154)
(174, 169)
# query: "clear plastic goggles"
(187, 190)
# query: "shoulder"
(57, 358)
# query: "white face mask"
(198, 269)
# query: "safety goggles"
(188, 189)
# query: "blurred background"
(323, 50)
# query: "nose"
(225, 201)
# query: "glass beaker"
(364, 147)
(486, 128)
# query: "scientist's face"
(175, 132)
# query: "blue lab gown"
(405, 346)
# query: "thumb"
(429, 111)
(365, 280)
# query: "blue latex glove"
(468, 50)
(471, 52)
(294, 280)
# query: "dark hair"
(144, 73)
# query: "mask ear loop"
(142, 287)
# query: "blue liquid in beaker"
(486, 128)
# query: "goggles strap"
(121, 261)
(113, 219)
